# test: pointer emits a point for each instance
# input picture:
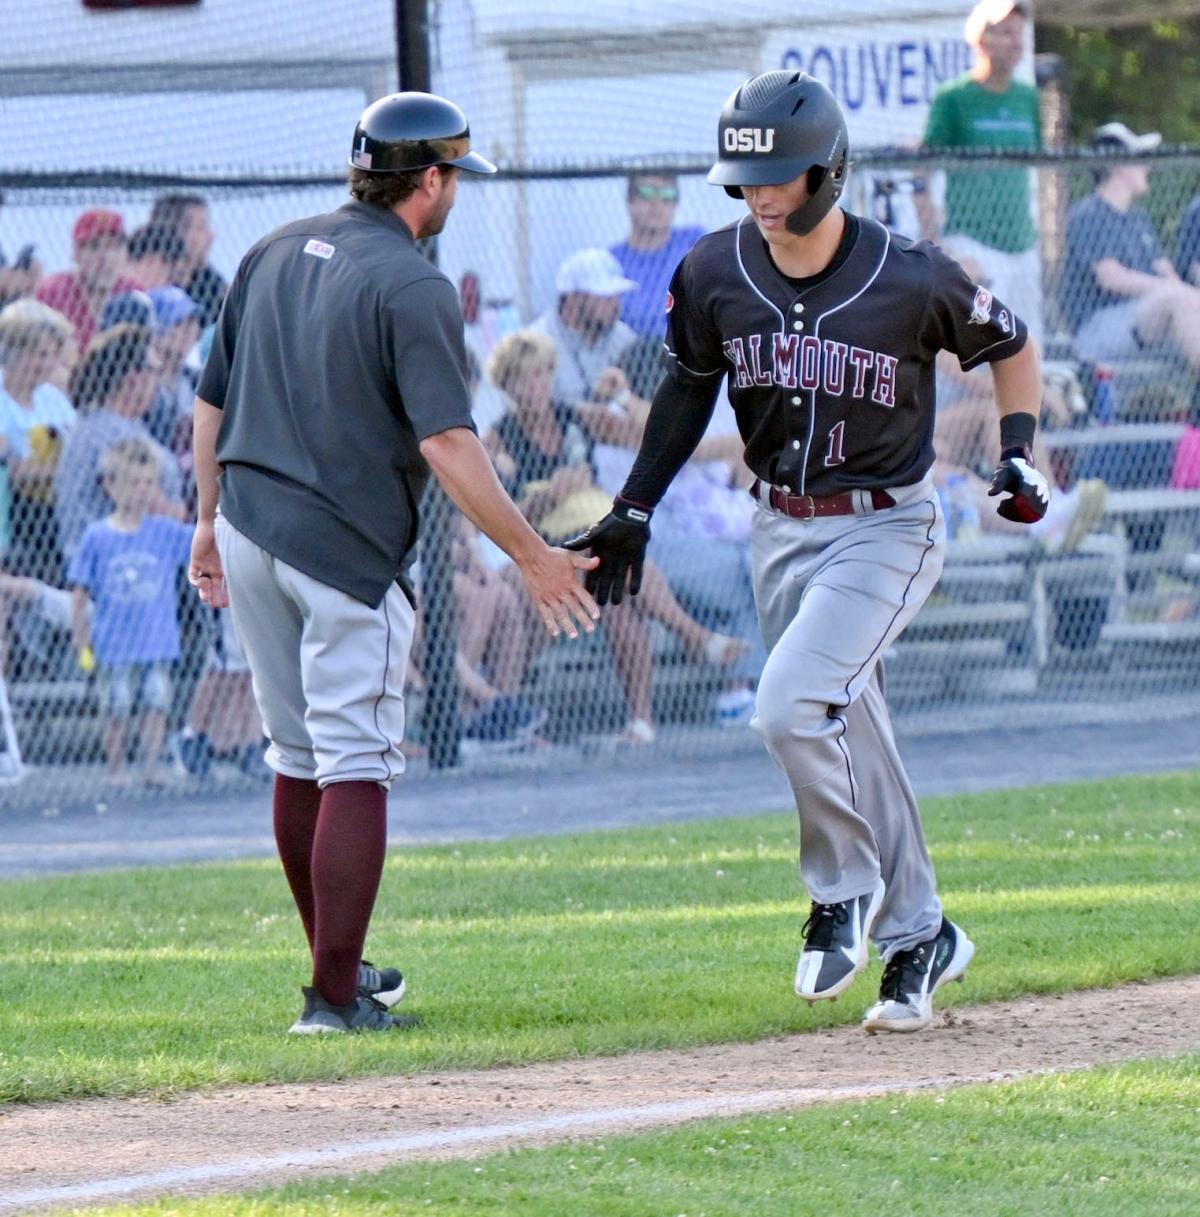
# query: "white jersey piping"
(816, 332)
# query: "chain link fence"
(115, 679)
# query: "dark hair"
(156, 238)
(631, 182)
(110, 356)
(384, 189)
(170, 208)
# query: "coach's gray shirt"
(338, 349)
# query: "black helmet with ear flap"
(777, 126)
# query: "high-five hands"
(619, 542)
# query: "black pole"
(412, 45)
(443, 728)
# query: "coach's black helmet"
(777, 126)
(406, 131)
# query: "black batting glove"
(619, 541)
(1027, 491)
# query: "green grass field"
(1115, 1142)
(156, 980)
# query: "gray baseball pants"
(832, 595)
(328, 670)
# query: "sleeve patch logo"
(981, 309)
(670, 303)
(319, 249)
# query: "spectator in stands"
(966, 433)
(1121, 293)
(50, 606)
(1187, 263)
(169, 421)
(708, 499)
(650, 253)
(591, 342)
(585, 324)
(224, 723)
(988, 212)
(35, 417)
(709, 496)
(128, 308)
(177, 330)
(100, 257)
(112, 388)
(127, 566)
(542, 451)
(492, 652)
(484, 324)
(188, 214)
(20, 277)
(155, 250)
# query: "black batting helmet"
(777, 126)
(406, 131)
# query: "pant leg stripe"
(874, 654)
(387, 657)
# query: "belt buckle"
(810, 503)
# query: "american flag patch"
(361, 159)
(318, 249)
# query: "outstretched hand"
(619, 542)
(553, 585)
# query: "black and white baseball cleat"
(837, 938)
(911, 978)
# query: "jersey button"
(798, 307)
(786, 489)
(796, 401)
(795, 443)
(797, 325)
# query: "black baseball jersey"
(831, 378)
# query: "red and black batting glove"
(1027, 491)
(619, 541)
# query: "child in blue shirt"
(127, 565)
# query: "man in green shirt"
(988, 214)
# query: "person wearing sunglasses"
(652, 251)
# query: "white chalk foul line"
(476, 1134)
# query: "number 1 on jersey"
(835, 452)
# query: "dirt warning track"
(71, 1154)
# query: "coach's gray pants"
(328, 670)
(833, 594)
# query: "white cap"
(593, 271)
(1118, 135)
(991, 12)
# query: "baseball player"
(826, 326)
(337, 380)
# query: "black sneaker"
(836, 941)
(362, 1014)
(384, 985)
(911, 978)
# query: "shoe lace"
(378, 1010)
(822, 921)
(902, 974)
